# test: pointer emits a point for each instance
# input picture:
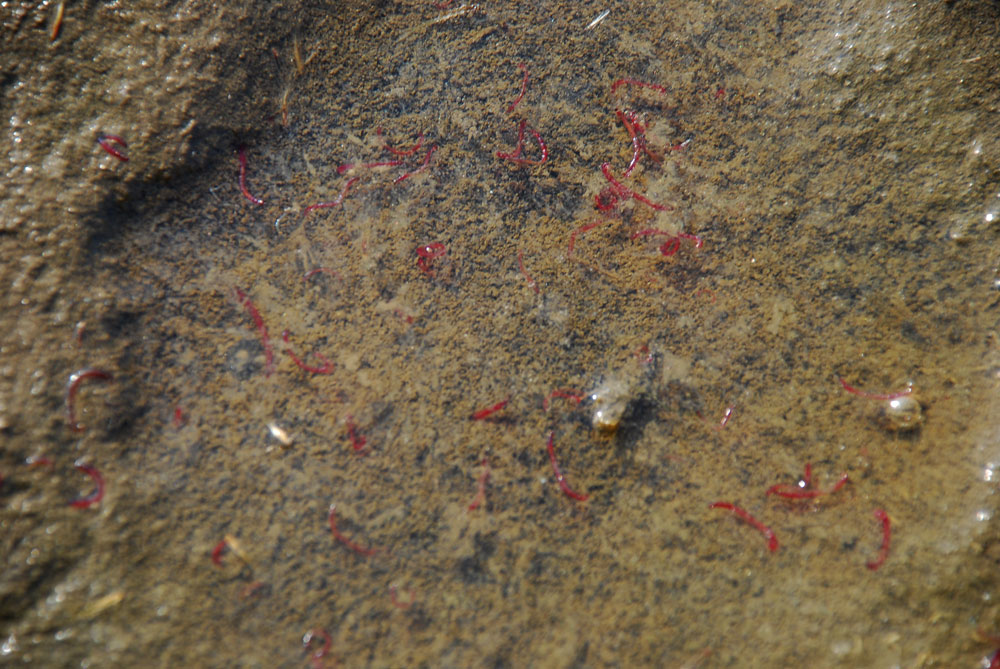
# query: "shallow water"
(838, 165)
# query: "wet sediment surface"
(817, 189)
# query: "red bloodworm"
(217, 552)
(94, 497)
(527, 277)
(427, 253)
(520, 143)
(624, 191)
(325, 369)
(332, 203)
(726, 415)
(607, 199)
(78, 332)
(481, 486)
(515, 157)
(635, 131)
(360, 550)
(873, 396)
(489, 411)
(400, 604)
(582, 229)
(638, 84)
(743, 514)
(524, 87)
(400, 152)
(73, 385)
(804, 490)
(241, 153)
(39, 461)
(569, 492)
(432, 250)
(423, 166)
(570, 395)
(358, 441)
(883, 551)
(179, 418)
(105, 140)
(670, 247)
(316, 658)
(258, 321)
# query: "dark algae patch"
(505, 334)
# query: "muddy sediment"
(833, 170)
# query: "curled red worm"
(325, 369)
(569, 492)
(423, 166)
(515, 155)
(358, 441)
(73, 385)
(241, 153)
(883, 551)
(333, 203)
(94, 497)
(316, 658)
(805, 491)
(360, 550)
(105, 140)
(623, 191)
(744, 515)
(427, 253)
(400, 604)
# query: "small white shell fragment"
(901, 414)
(610, 400)
(279, 434)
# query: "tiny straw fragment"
(743, 514)
(600, 17)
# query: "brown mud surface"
(838, 162)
